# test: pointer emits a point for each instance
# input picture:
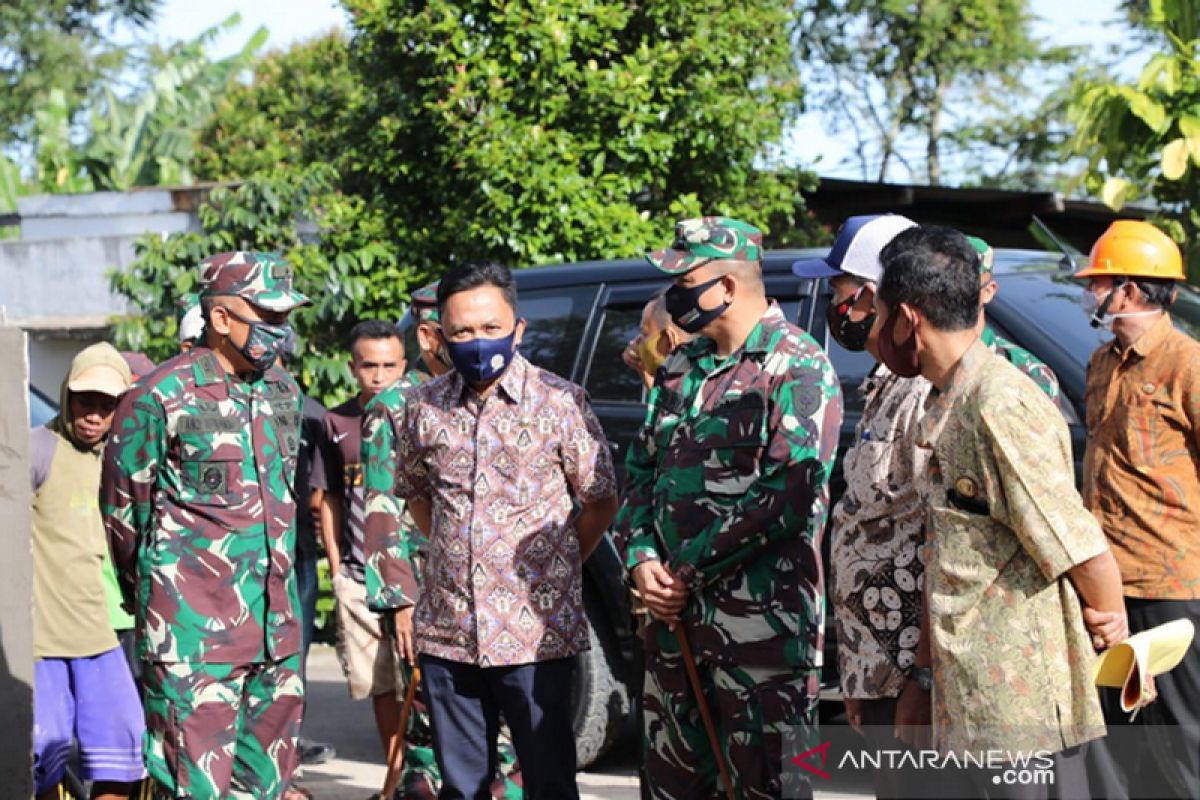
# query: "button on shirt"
(1140, 471)
(1011, 657)
(502, 584)
(878, 528)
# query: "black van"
(580, 318)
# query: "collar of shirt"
(940, 402)
(511, 384)
(1148, 342)
(703, 350)
(207, 368)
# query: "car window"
(552, 330)
(609, 378)
(1185, 311)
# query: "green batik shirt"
(199, 505)
(1023, 360)
(729, 486)
(391, 540)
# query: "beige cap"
(100, 378)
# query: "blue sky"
(1088, 23)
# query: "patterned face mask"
(264, 343)
(845, 331)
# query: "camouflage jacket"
(198, 502)
(729, 485)
(1023, 360)
(391, 539)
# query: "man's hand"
(631, 357)
(853, 713)
(913, 717)
(404, 635)
(663, 593)
(1106, 627)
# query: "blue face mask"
(482, 360)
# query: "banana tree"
(1142, 140)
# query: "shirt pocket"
(211, 468)
(1149, 419)
(730, 442)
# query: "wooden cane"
(395, 759)
(689, 664)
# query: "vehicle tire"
(599, 700)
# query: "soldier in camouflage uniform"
(393, 547)
(727, 498)
(1019, 357)
(199, 507)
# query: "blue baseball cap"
(856, 249)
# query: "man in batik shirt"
(494, 457)
(1012, 556)
(879, 523)
(394, 547)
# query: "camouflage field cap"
(263, 279)
(704, 239)
(987, 256)
(423, 307)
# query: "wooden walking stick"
(395, 758)
(689, 664)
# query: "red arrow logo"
(802, 762)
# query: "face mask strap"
(1102, 310)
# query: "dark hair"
(374, 329)
(936, 271)
(472, 276)
(1157, 292)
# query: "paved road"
(358, 770)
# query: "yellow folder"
(1132, 663)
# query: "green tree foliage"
(147, 134)
(292, 114)
(444, 131)
(537, 132)
(58, 45)
(337, 245)
(1142, 139)
(937, 84)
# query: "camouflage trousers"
(420, 778)
(222, 730)
(754, 709)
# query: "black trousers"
(902, 783)
(1158, 754)
(465, 706)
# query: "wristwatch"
(923, 677)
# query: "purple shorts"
(92, 700)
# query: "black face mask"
(682, 303)
(845, 331)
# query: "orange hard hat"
(1134, 249)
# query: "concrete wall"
(61, 282)
(108, 214)
(16, 568)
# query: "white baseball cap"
(856, 249)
